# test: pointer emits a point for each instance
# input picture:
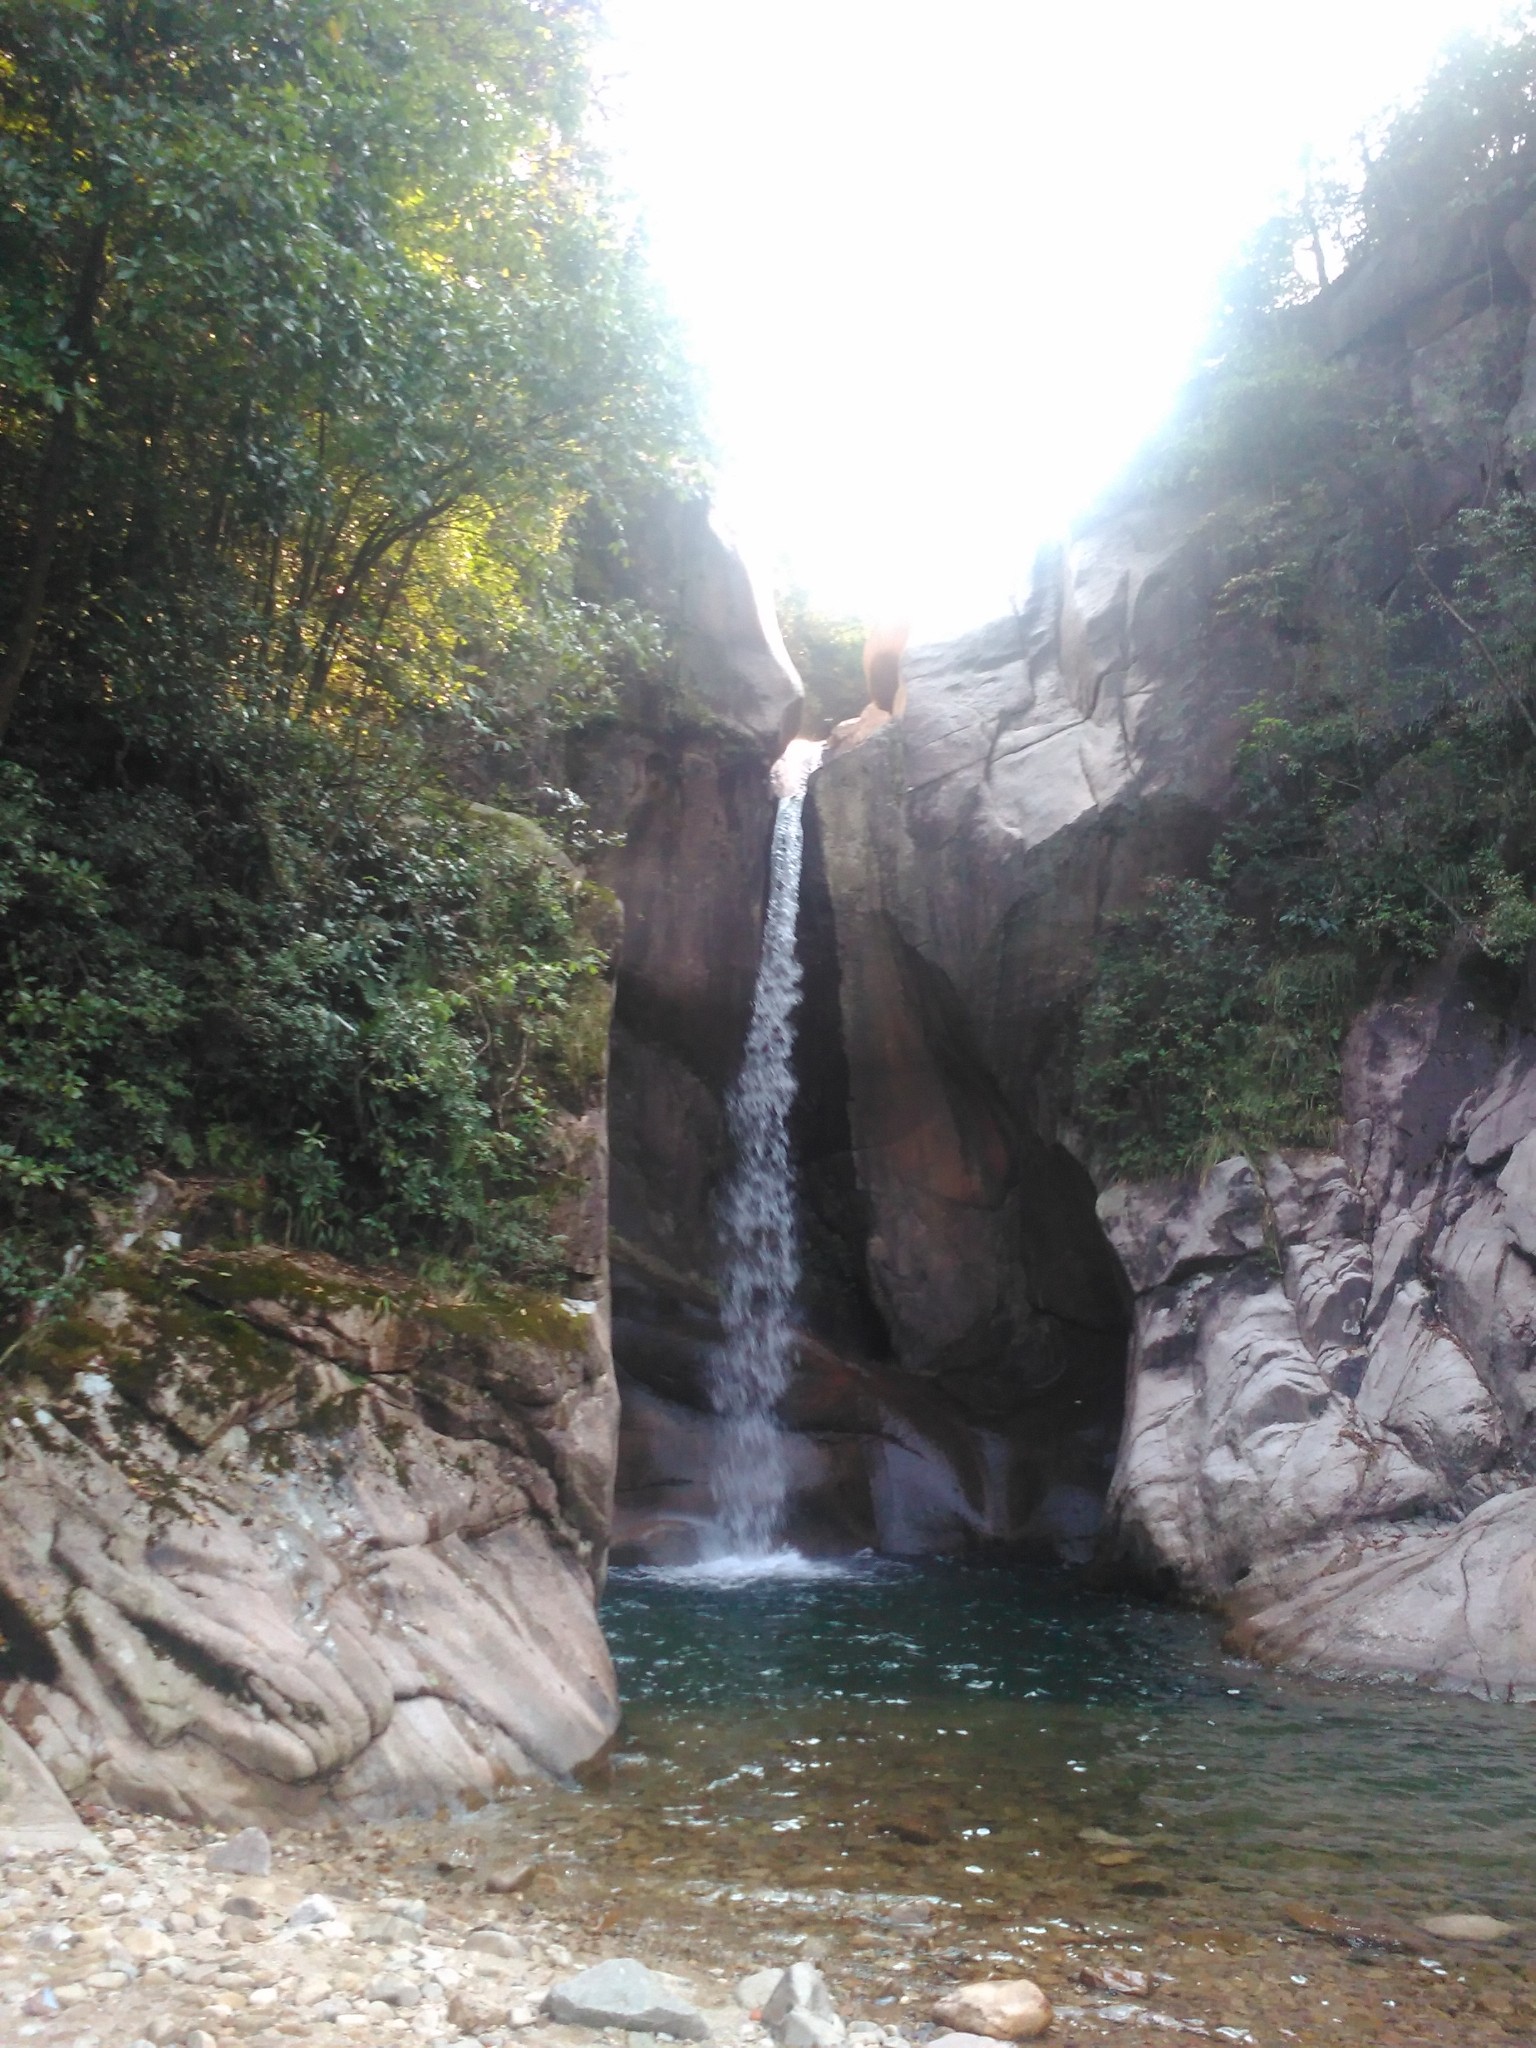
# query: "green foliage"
(366, 344)
(290, 973)
(1468, 137)
(829, 653)
(1196, 1045)
(1381, 816)
(1384, 810)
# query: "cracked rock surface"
(279, 1538)
(1331, 1405)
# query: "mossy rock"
(512, 1315)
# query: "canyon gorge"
(287, 1537)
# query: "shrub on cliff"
(1384, 801)
(318, 337)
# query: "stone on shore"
(34, 1814)
(754, 1992)
(248, 1854)
(624, 1993)
(801, 1988)
(1002, 2008)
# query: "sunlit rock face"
(986, 1418)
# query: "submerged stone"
(1466, 1927)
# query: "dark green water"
(1001, 1691)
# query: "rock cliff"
(1328, 1422)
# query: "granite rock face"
(1330, 1418)
(278, 1542)
(1321, 1345)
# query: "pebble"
(147, 1947)
(495, 1941)
(312, 1911)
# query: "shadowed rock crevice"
(837, 1303)
(959, 1372)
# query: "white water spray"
(757, 1214)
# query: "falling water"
(757, 1216)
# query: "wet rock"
(624, 1993)
(510, 1877)
(1119, 1982)
(248, 1854)
(1352, 1933)
(1002, 2008)
(1466, 1927)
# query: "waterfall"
(761, 1270)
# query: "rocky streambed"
(907, 1779)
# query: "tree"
(318, 302)
(320, 347)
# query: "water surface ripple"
(929, 1772)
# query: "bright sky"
(943, 263)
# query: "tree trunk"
(53, 482)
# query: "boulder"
(253, 1584)
(1341, 1449)
(999, 2008)
(624, 1993)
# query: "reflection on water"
(933, 1770)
